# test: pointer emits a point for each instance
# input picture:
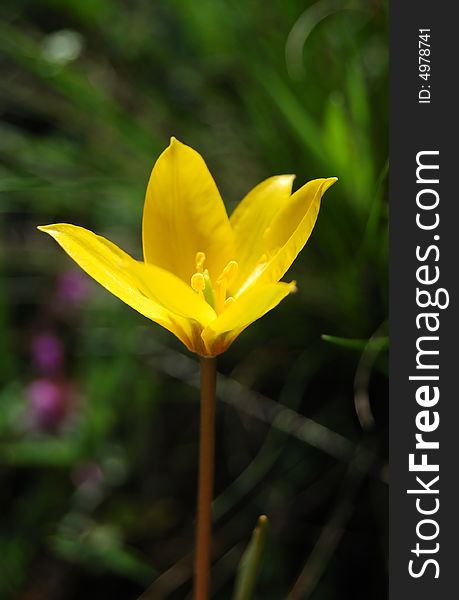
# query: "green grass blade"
(250, 564)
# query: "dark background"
(98, 420)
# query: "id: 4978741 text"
(424, 65)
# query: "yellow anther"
(229, 273)
(198, 283)
(230, 300)
(200, 260)
(224, 280)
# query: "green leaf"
(45, 451)
(250, 563)
(379, 343)
(102, 548)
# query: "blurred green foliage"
(98, 422)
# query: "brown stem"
(206, 480)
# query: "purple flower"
(47, 353)
(72, 287)
(48, 403)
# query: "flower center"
(215, 295)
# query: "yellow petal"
(152, 291)
(288, 233)
(184, 214)
(252, 217)
(249, 307)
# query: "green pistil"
(208, 291)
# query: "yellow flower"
(204, 277)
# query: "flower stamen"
(198, 283)
(200, 260)
(225, 279)
(215, 295)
